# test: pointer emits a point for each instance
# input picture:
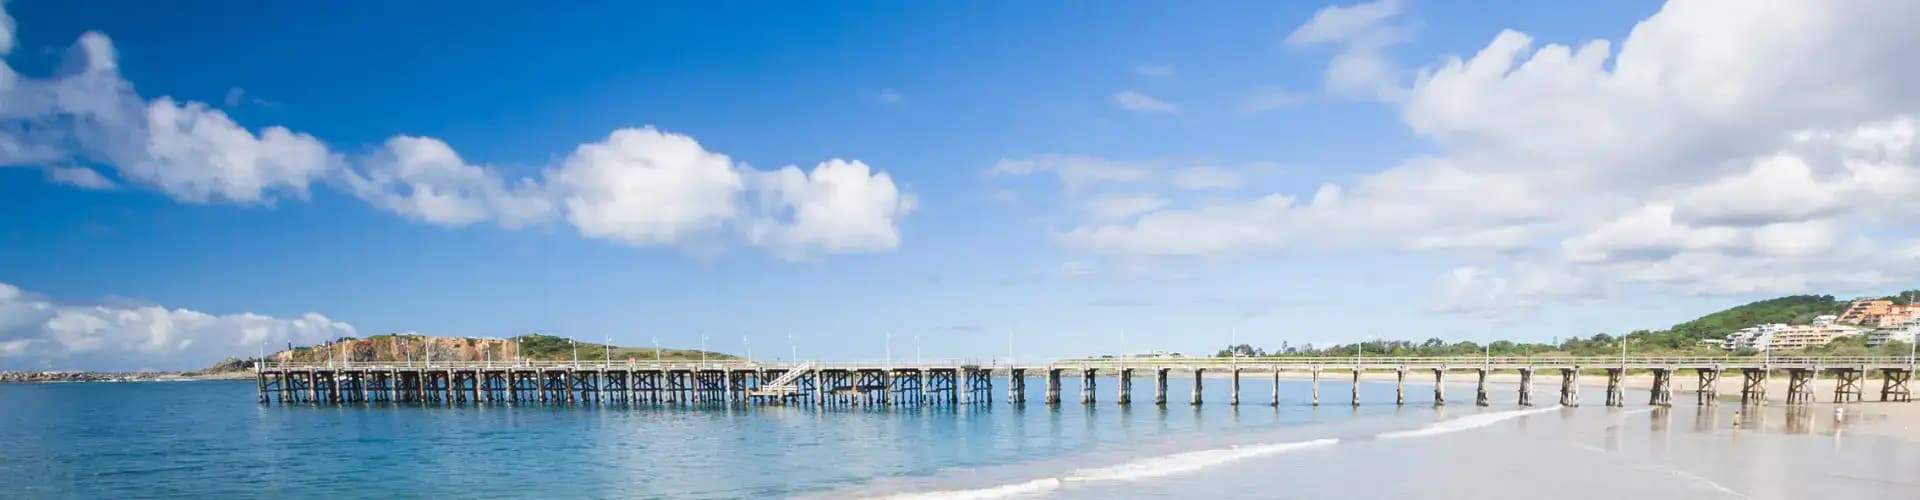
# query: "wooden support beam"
(1753, 386)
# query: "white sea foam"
(1033, 487)
(1464, 423)
(1191, 461)
(1180, 463)
(1164, 465)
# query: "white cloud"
(1076, 172)
(39, 333)
(80, 177)
(1076, 269)
(645, 187)
(423, 179)
(891, 96)
(1725, 147)
(839, 207)
(1361, 33)
(1201, 178)
(637, 187)
(1141, 103)
(193, 153)
(1153, 70)
(1121, 206)
(196, 154)
(6, 31)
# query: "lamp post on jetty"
(749, 349)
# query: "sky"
(186, 181)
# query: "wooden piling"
(1197, 376)
(1235, 399)
(1275, 398)
(1526, 387)
(1662, 392)
(1570, 386)
(1399, 385)
(1053, 386)
(1480, 392)
(1439, 386)
(1614, 396)
(1160, 386)
(1316, 385)
(1087, 386)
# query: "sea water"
(203, 439)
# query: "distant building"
(1782, 336)
(1904, 332)
(1877, 313)
(1752, 337)
(1826, 319)
(1803, 336)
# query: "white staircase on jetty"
(786, 384)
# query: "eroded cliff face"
(401, 348)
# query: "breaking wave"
(1191, 461)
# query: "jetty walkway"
(965, 383)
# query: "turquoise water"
(200, 439)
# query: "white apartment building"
(1903, 332)
(1756, 337)
(1783, 336)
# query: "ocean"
(212, 439)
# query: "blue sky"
(1185, 174)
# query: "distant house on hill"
(1784, 336)
(1877, 313)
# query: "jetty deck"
(966, 383)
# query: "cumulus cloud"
(40, 333)
(80, 177)
(1361, 34)
(1076, 172)
(838, 207)
(1121, 206)
(88, 113)
(1204, 177)
(1141, 103)
(6, 31)
(1719, 147)
(645, 187)
(639, 186)
(423, 179)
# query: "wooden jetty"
(957, 383)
